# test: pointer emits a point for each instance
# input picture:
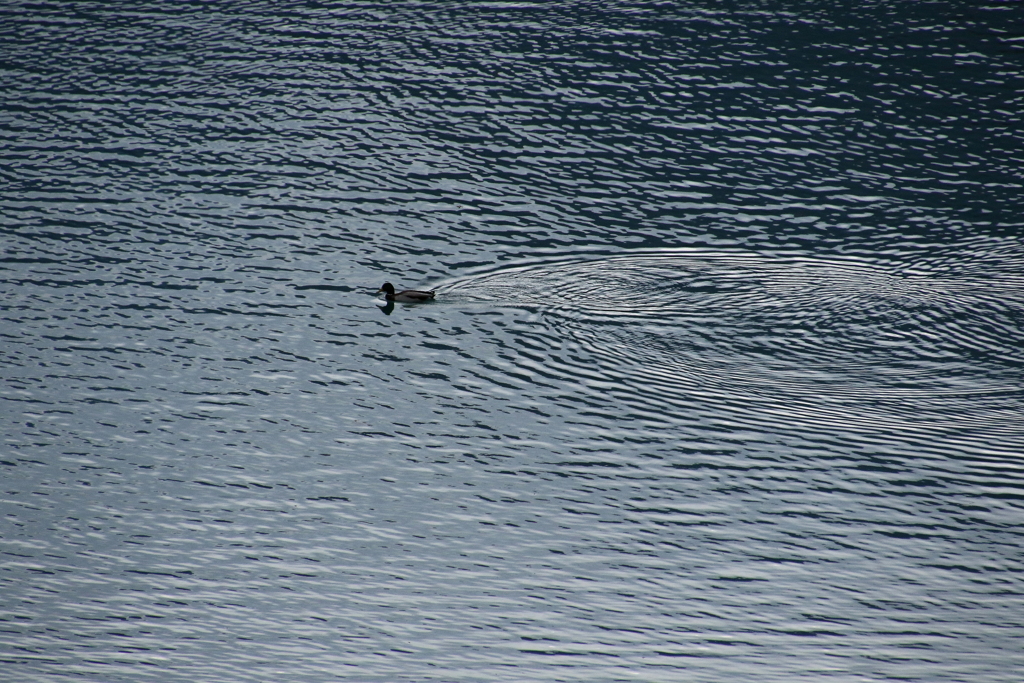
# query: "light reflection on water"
(814, 344)
(723, 378)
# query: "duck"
(406, 296)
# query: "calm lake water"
(724, 380)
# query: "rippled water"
(723, 378)
(801, 344)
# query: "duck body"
(406, 296)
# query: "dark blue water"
(723, 380)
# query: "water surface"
(722, 381)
